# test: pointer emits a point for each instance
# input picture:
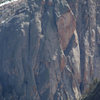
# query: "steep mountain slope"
(95, 94)
(49, 49)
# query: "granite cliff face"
(49, 49)
(95, 94)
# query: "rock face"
(66, 27)
(95, 94)
(49, 49)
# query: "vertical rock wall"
(49, 49)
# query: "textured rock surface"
(49, 49)
(95, 94)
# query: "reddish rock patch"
(49, 3)
(66, 26)
(62, 63)
(43, 2)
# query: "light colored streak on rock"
(7, 2)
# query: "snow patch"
(41, 36)
(3, 21)
(7, 2)
(68, 68)
(54, 56)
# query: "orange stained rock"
(43, 2)
(66, 26)
(50, 2)
(86, 77)
(62, 63)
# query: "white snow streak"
(7, 2)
